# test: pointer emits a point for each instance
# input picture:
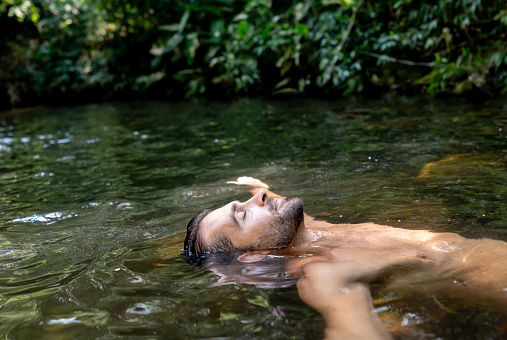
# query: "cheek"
(255, 234)
(260, 217)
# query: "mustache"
(271, 204)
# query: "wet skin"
(335, 262)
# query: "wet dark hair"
(193, 247)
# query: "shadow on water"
(95, 199)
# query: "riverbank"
(81, 52)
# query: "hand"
(250, 181)
(345, 305)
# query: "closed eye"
(243, 213)
(233, 214)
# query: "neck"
(302, 237)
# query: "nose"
(258, 199)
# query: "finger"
(253, 181)
(249, 181)
(241, 183)
(245, 178)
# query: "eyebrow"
(233, 215)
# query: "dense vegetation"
(78, 50)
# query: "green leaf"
(35, 17)
(302, 29)
(259, 301)
(173, 27)
(146, 81)
(216, 30)
(172, 43)
(183, 21)
(242, 29)
(282, 83)
(191, 47)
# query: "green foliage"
(224, 47)
(21, 10)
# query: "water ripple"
(46, 219)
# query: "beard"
(286, 222)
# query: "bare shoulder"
(368, 231)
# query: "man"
(336, 263)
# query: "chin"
(293, 207)
(288, 222)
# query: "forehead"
(215, 220)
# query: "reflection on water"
(48, 218)
(264, 271)
(94, 201)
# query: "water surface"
(95, 199)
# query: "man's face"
(259, 223)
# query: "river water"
(95, 200)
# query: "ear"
(253, 256)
